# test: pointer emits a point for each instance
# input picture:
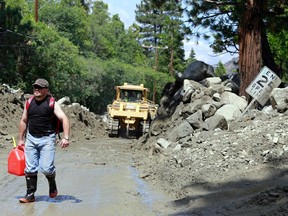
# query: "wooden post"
(156, 58)
(36, 10)
(154, 91)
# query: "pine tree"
(162, 32)
(191, 57)
(220, 69)
(243, 25)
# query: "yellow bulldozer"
(131, 112)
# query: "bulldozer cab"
(131, 95)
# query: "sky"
(126, 10)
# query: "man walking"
(37, 131)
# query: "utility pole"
(156, 58)
(155, 65)
(36, 10)
(156, 53)
(171, 66)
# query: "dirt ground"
(241, 171)
(95, 177)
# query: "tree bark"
(250, 49)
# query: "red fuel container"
(16, 161)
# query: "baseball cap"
(41, 82)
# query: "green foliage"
(128, 49)
(110, 39)
(56, 59)
(279, 47)
(14, 36)
(218, 21)
(70, 22)
(83, 54)
(220, 69)
(117, 73)
(191, 58)
(162, 32)
(156, 81)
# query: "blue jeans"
(40, 153)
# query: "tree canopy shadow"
(242, 196)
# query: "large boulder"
(232, 81)
(196, 71)
(279, 99)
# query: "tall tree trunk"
(250, 49)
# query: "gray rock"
(180, 131)
(216, 121)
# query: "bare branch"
(214, 2)
(220, 2)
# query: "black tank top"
(40, 117)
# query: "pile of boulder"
(198, 100)
(212, 153)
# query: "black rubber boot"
(52, 185)
(31, 182)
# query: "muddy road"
(94, 177)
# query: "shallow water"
(84, 188)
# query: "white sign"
(262, 86)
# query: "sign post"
(261, 87)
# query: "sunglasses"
(38, 87)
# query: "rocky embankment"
(202, 143)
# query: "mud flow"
(93, 178)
